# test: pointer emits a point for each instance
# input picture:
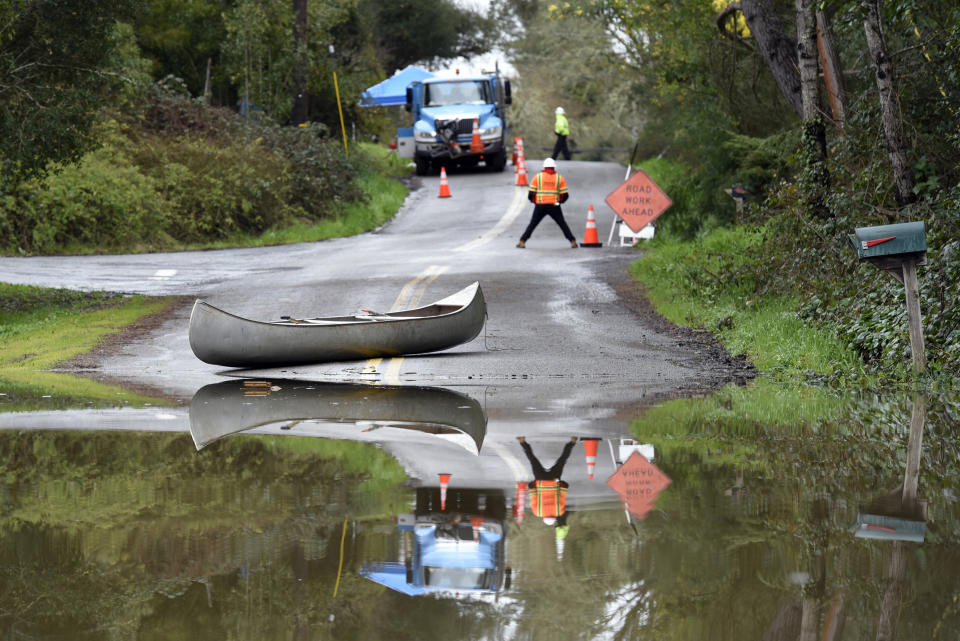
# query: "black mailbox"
(889, 245)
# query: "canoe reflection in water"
(335, 410)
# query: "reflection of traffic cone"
(522, 172)
(476, 145)
(590, 235)
(590, 447)
(444, 482)
(444, 186)
(476, 522)
(521, 502)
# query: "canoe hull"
(220, 338)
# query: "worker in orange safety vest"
(548, 493)
(547, 191)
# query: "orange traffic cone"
(444, 185)
(517, 150)
(444, 482)
(522, 172)
(476, 145)
(520, 503)
(590, 235)
(475, 523)
(590, 446)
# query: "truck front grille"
(461, 127)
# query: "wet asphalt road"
(561, 353)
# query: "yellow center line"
(410, 296)
(519, 472)
(519, 197)
(412, 293)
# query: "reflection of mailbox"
(890, 528)
(889, 245)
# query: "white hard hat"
(549, 520)
(560, 110)
(549, 163)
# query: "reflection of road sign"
(638, 201)
(638, 482)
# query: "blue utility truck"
(444, 111)
(453, 545)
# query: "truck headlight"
(492, 132)
(425, 136)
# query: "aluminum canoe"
(221, 338)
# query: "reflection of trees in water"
(790, 516)
(114, 531)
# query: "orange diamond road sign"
(638, 201)
(638, 482)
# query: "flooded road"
(284, 509)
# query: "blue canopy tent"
(393, 90)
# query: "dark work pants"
(541, 474)
(555, 212)
(561, 147)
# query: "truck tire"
(423, 166)
(497, 162)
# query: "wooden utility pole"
(301, 105)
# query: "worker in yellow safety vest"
(561, 127)
(547, 191)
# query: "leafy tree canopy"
(52, 78)
(408, 31)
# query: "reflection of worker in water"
(548, 494)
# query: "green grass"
(709, 284)
(383, 197)
(724, 427)
(41, 328)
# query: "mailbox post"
(898, 249)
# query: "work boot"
(521, 244)
(573, 244)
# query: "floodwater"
(284, 510)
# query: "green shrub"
(184, 175)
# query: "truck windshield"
(462, 578)
(439, 94)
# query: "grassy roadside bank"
(41, 327)
(706, 283)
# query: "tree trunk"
(775, 47)
(832, 70)
(807, 60)
(889, 104)
(814, 138)
(300, 98)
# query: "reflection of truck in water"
(444, 111)
(454, 545)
